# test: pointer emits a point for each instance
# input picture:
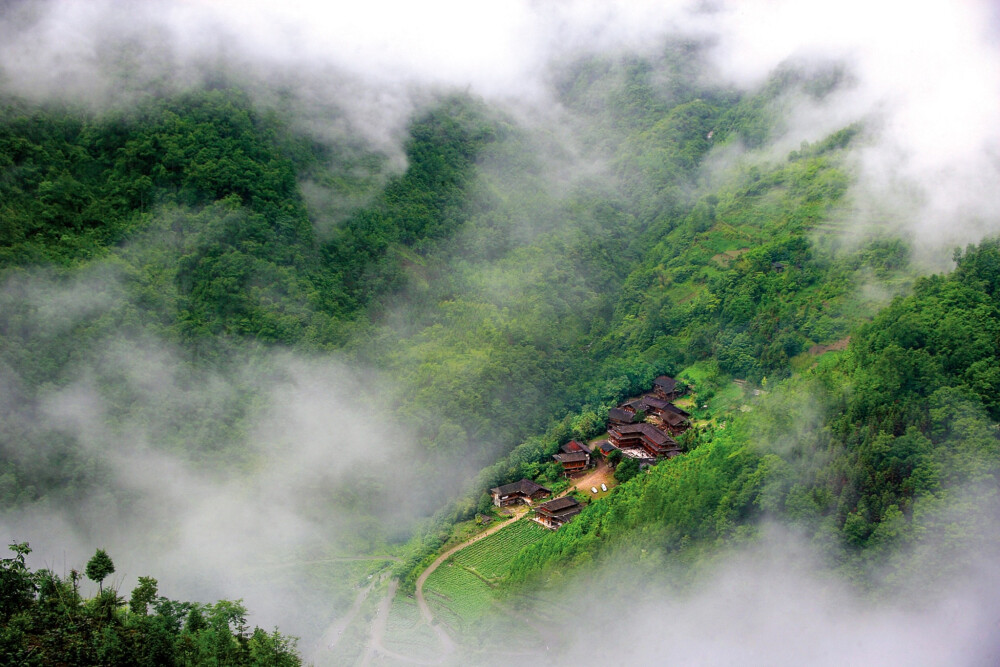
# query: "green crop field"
(456, 595)
(490, 558)
(406, 634)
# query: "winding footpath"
(447, 643)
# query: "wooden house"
(556, 512)
(650, 439)
(636, 406)
(678, 411)
(605, 448)
(524, 491)
(575, 446)
(654, 404)
(621, 416)
(673, 423)
(673, 419)
(573, 462)
(668, 388)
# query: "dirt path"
(425, 611)
(379, 625)
(601, 474)
(336, 630)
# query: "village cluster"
(641, 429)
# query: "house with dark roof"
(621, 416)
(652, 441)
(678, 411)
(668, 388)
(524, 491)
(673, 419)
(654, 404)
(605, 448)
(556, 512)
(634, 406)
(573, 462)
(574, 446)
(673, 423)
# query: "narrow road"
(379, 625)
(336, 630)
(447, 643)
(600, 474)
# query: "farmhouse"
(621, 416)
(574, 446)
(556, 512)
(673, 423)
(605, 448)
(654, 404)
(668, 388)
(524, 491)
(678, 411)
(573, 462)
(632, 437)
(638, 405)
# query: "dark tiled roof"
(572, 457)
(606, 447)
(652, 433)
(674, 419)
(617, 414)
(676, 410)
(559, 504)
(574, 446)
(666, 383)
(525, 486)
(655, 402)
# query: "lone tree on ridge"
(99, 567)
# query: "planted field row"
(459, 591)
(491, 557)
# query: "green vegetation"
(457, 596)
(407, 634)
(45, 621)
(490, 557)
(872, 470)
(510, 308)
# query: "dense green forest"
(494, 299)
(46, 621)
(871, 451)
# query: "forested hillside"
(873, 451)
(46, 621)
(225, 335)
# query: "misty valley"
(636, 357)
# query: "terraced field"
(459, 592)
(489, 558)
(407, 634)
(457, 596)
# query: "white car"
(604, 487)
(593, 489)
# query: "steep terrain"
(288, 353)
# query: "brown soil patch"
(837, 346)
(601, 474)
(723, 259)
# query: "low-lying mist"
(774, 602)
(925, 78)
(219, 479)
(259, 476)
